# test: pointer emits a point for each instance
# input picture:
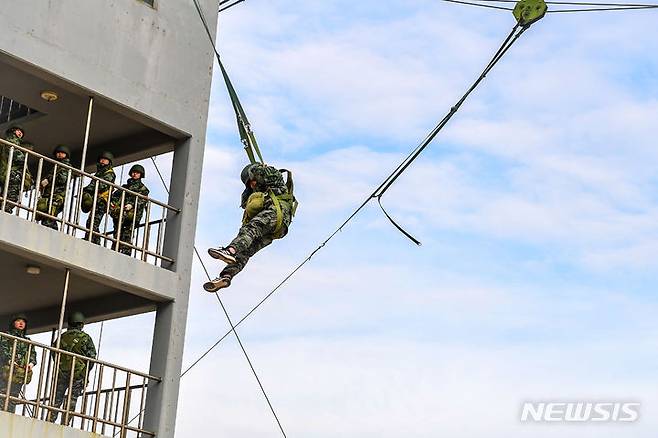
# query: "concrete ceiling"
(129, 136)
(40, 296)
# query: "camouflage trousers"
(61, 395)
(101, 209)
(253, 236)
(56, 208)
(13, 392)
(125, 234)
(14, 189)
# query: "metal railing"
(139, 234)
(80, 392)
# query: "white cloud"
(536, 204)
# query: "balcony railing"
(111, 398)
(140, 237)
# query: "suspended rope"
(557, 11)
(222, 9)
(478, 4)
(247, 136)
(589, 6)
(100, 344)
(575, 3)
(228, 318)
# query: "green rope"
(246, 134)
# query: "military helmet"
(76, 318)
(245, 175)
(17, 317)
(107, 155)
(62, 148)
(138, 168)
(13, 128)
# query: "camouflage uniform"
(56, 183)
(76, 341)
(21, 360)
(134, 215)
(259, 231)
(105, 173)
(15, 173)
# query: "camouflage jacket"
(58, 180)
(106, 173)
(267, 178)
(7, 345)
(138, 205)
(18, 157)
(78, 342)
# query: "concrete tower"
(132, 77)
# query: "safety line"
(403, 165)
(461, 2)
(227, 7)
(603, 6)
(575, 3)
(230, 321)
(557, 11)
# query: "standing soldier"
(23, 362)
(133, 207)
(53, 188)
(72, 375)
(105, 172)
(14, 135)
(269, 206)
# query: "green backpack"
(18, 376)
(73, 341)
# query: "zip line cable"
(576, 3)
(599, 7)
(461, 2)
(228, 318)
(384, 186)
(557, 11)
(229, 6)
(98, 352)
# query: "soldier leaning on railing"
(21, 371)
(53, 188)
(14, 135)
(104, 172)
(127, 219)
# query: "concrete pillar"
(169, 334)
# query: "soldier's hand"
(44, 183)
(129, 207)
(30, 366)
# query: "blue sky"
(537, 209)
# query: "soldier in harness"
(72, 372)
(269, 206)
(21, 372)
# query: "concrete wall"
(15, 426)
(156, 61)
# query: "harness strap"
(246, 134)
(279, 213)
